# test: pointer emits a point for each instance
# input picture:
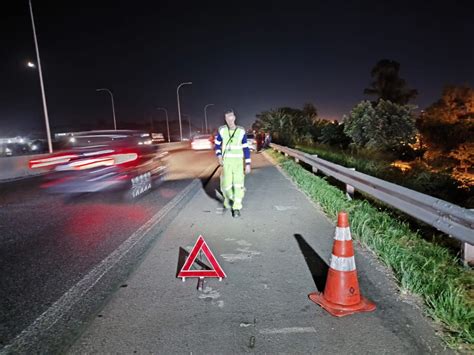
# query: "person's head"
(230, 118)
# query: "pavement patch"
(245, 325)
(292, 330)
(245, 254)
(243, 243)
(209, 294)
(285, 208)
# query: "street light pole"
(113, 104)
(189, 123)
(179, 108)
(43, 95)
(167, 124)
(205, 114)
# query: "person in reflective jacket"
(233, 153)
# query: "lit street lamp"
(113, 104)
(179, 108)
(205, 114)
(43, 95)
(167, 124)
(31, 65)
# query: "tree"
(288, 125)
(387, 126)
(276, 121)
(310, 111)
(388, 85)
(356, 125)
(448, 122)
(333, 134)
(465, 155)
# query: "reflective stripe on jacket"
(235, 148)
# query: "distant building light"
(72, 140)
(31, 65)
(34, 147)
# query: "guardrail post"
(350, 189)
(286, 154)
(467, 253)
(315, 169)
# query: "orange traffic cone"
(341, 295)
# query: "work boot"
(236, 213)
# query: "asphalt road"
(49, 242)
(273, 256)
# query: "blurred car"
(104, 160)
(202, 142)
(157, 138)
(251, 140)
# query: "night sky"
(246, 57)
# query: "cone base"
(338, 310)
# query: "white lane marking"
(243, 243)
(49, 317)
(292, 330)
(285, 208)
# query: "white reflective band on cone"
(341, 263)
(343, 233)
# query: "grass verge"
(420, 267)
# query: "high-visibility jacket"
(230, 144)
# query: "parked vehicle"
(202, 142)
(252, 141)
(157, 138)
(104, 160)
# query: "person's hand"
(219, 158)
(247, 169)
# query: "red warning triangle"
(215, 272)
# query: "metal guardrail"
(454, 220)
